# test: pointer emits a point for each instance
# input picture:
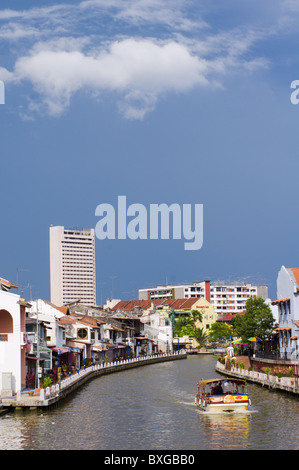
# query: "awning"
(99, 348)
(293, 337)
(62, 350)
(75, 345)
(34, 358)
(283, 328)
(142, 337)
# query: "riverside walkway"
(284, 384)
(52, 396)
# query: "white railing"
(54, 390)
(260, 377)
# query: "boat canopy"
(210, 381)
(222, 386)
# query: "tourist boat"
(222, 395)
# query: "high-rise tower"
(72, 266)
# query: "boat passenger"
(218, 390)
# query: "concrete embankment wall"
(53, 395)
(284, 384)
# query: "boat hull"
(229, 403)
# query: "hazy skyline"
(183, 102)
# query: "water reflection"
(225, 429)
(153, 408)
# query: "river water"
(152, 407)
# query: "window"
(82, 333)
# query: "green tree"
(219, 330)
(186, 324)
(181, 322)
(195, 316)
(200, 336)
(257, 320)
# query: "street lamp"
(78, 367)
(59, 368)
(116, 353)
(103, 358)
(70, 361)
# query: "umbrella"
(255, 339)
(237, 340)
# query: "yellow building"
(185, 306)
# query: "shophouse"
(159, 314)
(13, 340)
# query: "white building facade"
(231, 298)
(72, 266)
(226, 298)
(13, 344)
(288, 312)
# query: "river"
(152, 407)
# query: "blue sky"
(175, 101)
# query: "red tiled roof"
(145, 304)
(120, 305)
(66, 320)
(7, 285)
(227, 318)
(295, 272)
(279, 300)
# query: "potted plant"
(291, 374)
(221, 359)
(267, 371)
(241, 365)
(279, 375)
(106, 359)
(47, 382)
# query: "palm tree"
(195, 317)
(200, 336)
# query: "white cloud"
(140, 69)
(165, 47)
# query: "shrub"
(47, 382)
(290, 373)
(267, 370)
(241, 365)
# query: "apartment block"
(232, 297)
(225, 297)
(72, 266)
(197, 290)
